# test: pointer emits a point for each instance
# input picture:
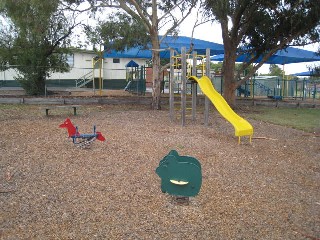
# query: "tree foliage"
(260, 28)
(34, 40)
(6, 41)
(148, 19)
(275, 70)
(118, 32)
(314, 70)
(216, 67)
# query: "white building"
(83, 65)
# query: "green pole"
(171, 85)
(194, 86)
(183, 85)
(253, 82)
(206, 99)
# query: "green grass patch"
(306, 119)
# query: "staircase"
(264, 88)
(82, 81)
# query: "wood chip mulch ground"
(50, 189)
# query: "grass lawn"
(306, 119)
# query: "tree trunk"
(229, 63)
(156, 81)
(229, 85)
(156, 65)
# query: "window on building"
(116, 60)
(70, 60)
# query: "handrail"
(264, 87)
(80, 82)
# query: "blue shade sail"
(284, 56)
(168, 43)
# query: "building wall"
(149, 80)
(112, 69)
(81, 64)
(8, 74)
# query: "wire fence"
(259, 86)
(278, 88)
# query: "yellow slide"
(241, 126)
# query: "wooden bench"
(47, 108)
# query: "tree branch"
(176, 24)
(138, 15)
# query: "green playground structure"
(136, 78)
(180, 175)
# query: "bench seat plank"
(74, 107)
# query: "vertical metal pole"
(171, 85)
(102, 69)
(100, 76)
(296, 88)
(253, 88)
(206, 101)
(303, 90)
(183, 85)
(100, 72)
(93, 83)
(194, 86)
(283, 83)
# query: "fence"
(259, 86)
(111, 78)
(278, 88)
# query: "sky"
(212, 32)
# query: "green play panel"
(180, 175)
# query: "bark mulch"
(50, 189)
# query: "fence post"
(194, 86)
(183, 85)
(171, 85)
(206, 100)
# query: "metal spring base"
(85, 144)
(181, 200)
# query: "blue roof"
(285, 56)
(132, 64)
(168, 43)
(307, 73)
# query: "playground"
(51, 189)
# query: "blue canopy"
(285, 56)
(302, 74)
(132, 64)
(169, 42)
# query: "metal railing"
(86, 78)
(266, 89)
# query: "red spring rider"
(81, 140)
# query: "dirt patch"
(49, 189)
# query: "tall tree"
(315, 68)
(153, 16)
(118, 32)
(275, 70)
(6, 40)
(35, 40)
(260, 28)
